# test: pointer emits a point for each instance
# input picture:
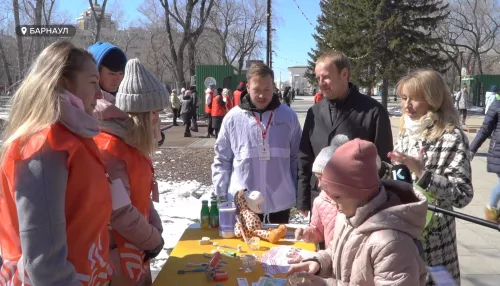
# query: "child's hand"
(299, 232)
(308, 236)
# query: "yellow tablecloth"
(188, 250)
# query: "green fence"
(478, 85)
(224, 76)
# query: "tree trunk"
(479, 64)
(385, 92)
(454, 79)
(191, 57)
(19, 39)
(98, 19)
(241, 62)
(38, 22)
(30, 51)
(181, 81)
(5, 64)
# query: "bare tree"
(248, 38)
(98, 18)
(471, 29)
(191, 28)
(224, 20)
(236, 24)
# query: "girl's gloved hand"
(150, 254)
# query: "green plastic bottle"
(214, 215)
(205, 215)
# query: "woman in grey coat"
(462, 101)
(187, 112)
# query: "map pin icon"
(23, 30)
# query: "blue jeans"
(495, 194)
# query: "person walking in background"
(175, 102)
(376, 228)
(219, 110)
(257, 148)
(196, 104)
(432, 144)
(226, 94)
(187, 107)
(237, 93)
(287, 96)
(344, 111)
(111, 62)
(491, 96)
(491, 127)
(318, 97)
(54, 186)
(126, 147)
(209, 95)
(462, 101)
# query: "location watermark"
(46, 30)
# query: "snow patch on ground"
(179, 206)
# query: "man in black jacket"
(346, 111)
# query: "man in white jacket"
(257, 148)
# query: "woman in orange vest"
(55, 199)
(209, 95)
(237, 93)
(126, 147)
(219, 110)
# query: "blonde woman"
(126, 146)
(55, 200)
(436, 150)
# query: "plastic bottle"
(205, 215)
(214, 215)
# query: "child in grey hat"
(126, 146)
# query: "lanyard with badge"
(264, 152)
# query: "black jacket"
(358, 116)
(491, 128)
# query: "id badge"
(264, 152)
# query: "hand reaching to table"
(309, 266)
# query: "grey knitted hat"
(140, 90)
(326, 153)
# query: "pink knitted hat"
(352, 171)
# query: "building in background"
(298, 80)
(86, 20)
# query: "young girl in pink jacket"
(324, 211)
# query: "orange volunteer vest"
(218, 109)
(140, 173)
(237, 97)
(88, 208)
(229, 103)
(318, 97)
(208, 108)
